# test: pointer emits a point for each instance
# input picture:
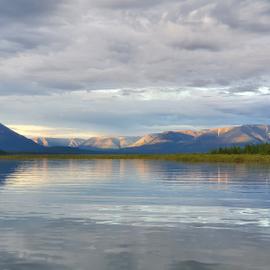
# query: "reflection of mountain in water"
(40, 172)
(168, 171)
(7, 167)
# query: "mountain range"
(180, 141)
(171, 141)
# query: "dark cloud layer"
(115, 43)
(22, 11)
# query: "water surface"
(133, 214)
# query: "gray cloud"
(57, 48)
(244, 14)
(127, 4)
(23, 11)
(81, 45)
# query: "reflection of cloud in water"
(121, 261)
(194, 265)
(10, 261)
(69, 244)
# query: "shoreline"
(204, 158)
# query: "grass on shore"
(220, 158)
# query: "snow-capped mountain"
(109, 142)
(63, 142)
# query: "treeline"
(2, 152)
(261, 149)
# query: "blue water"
(133, 214)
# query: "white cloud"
(132, 112)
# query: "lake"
(133, 214)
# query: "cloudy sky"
(96, 67)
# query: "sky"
(85, 68)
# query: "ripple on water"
(133, 214)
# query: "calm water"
(148, 215)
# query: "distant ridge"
(109, 142)
(188, 141)
(180, 141)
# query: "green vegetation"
(260, 149)
(221, 158)
(2, 152)
(259, 153)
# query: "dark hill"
(10, 141)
